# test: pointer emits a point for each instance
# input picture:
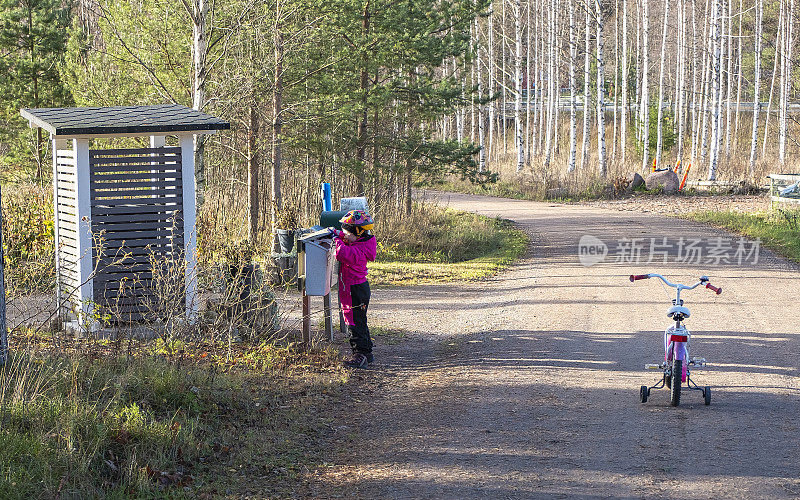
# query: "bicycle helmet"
(357, 222)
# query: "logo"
(591, 250)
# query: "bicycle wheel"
(643, 393)
(707, 395)
(675, 389)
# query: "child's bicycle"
(676, 347)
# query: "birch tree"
(586, 67)
(573, 54)
(756, 83)
(660, 102)
(644, 111)
(624, 123)
(601, 124)
(519, 139)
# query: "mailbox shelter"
(139, 203)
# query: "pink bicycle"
(676, 347)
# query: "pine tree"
(32, 44)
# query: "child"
(355, 246)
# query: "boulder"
(667, 179)
(634, 181)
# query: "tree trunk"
(778, 43)
(716, 91)
(644, 111)
(601, 108)
(738, 80)
(586, 68)
(198, 12)
(361, 132)
(660, 102)
(729, 93)
(519, 137)
(481, 106)
(756, 84)
(491, 63)
(252, 171)
(573, 123)
(277, 125)
(624, 123)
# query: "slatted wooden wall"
(136, 210)
(66, 206)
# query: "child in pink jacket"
(355, 246)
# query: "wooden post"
(306, 321)
(189, 226)
(328, 320)
(83, 211)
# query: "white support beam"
(85, 292)
(58, 145)
(189, 225)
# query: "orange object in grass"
(685, 176)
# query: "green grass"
(92, 425)
(778, 230)
(445, 245)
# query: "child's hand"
(347, 236)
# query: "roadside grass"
(778, 230)
(89, 424)
(442, 245)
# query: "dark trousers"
(360, 340)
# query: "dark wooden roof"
(122, 120)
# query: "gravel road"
(526, 385)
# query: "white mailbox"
(316, 262)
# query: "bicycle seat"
(675, 310)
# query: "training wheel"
(644, 391)
(707, 395)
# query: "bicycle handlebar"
(703, 281)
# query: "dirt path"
(526, 385)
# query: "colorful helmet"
(356, 222)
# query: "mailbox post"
(315, 263)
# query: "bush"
(28, 238)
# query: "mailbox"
(315, 258)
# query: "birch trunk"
(490, 63)
(601, 124)
(756, 84)
(528, 88)
(519, 138)
(729, 93)
(548, 140)
(778, 43)
(644, 111)
(616, 87)
(738, 80)
(681, 110)
(573, 54)
(716, 40)
(586, 68)
(660, 102)
(624, 123)
(481, 105)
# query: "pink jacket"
(354, 258)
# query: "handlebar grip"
(717, 290)
(635, 277)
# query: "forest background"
(376, 96)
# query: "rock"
(667, 179)
(634, 181)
